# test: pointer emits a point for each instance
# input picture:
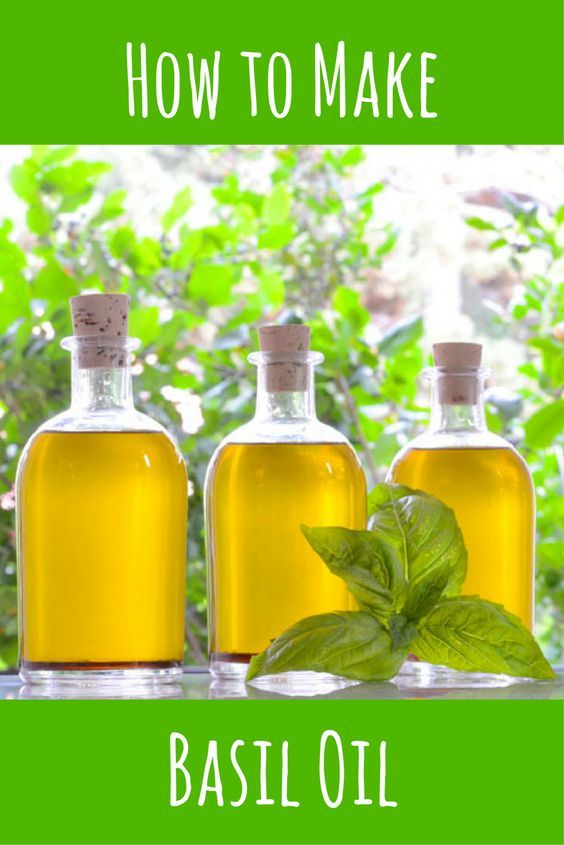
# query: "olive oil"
(102, 550)
(480, 476)
(281, 470)
(490, 491)
(265, 574)
(101, 504)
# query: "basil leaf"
(352, 644)
(402, 631)
(423, 537)
(374, 577)
(474, 635)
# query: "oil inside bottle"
(102, 518)
(264, 576)
(491, 493)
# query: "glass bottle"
(480, 476)
(281, 470)
(101, 513)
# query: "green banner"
(371, 72)
(280, 772)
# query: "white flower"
(188, 405)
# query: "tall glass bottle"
(101, 513)
(480, 476)
(282, 470)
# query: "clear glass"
(487, 484)
(101, 519)
(281, 470)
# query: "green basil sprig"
(405, 573)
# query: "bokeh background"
(384, 250)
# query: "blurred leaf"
(482, 225)
(354, 155)
(111, 208)
(346, 302)
(144, 324)
(121, 241)
(53, 284)
(402, 334)
(277, 206)
(38, 219)
(388, 243)
(544, 426)
(58, 154)
(180, 206)
(24, 181)
(276, 237)
(271, 289)
(212, 283)
(497, 244)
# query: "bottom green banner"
(281, 772)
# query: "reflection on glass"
(87, 692)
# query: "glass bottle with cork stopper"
(480, 476)
(101, 519)
(281, 470)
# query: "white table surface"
(199, 685)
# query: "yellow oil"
(491, 493)
(102, 534)
(263, 574)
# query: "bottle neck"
(296, 405)
(458, 413)
(100, 389)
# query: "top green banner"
(366, 72)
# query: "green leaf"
(354, 155)
(271, 289)
(405, 333)
(277, 206)
(57, 154)
(53, 284)
(38, 219)
(180, 206)
(15, 299)
(473, 635)
(542, 429)
(24, 181)
(374, 577)
(402, 631)
(111, 208)
(497, 244)
(422, 534)
(389, 242)
(482, 225)
(212, 283)
(276, 237)
(121, 241)
(346, 302)
(191, 243)
(352, 644)
(375, 188)
(74, 183)
(144, 323)
(145, 257)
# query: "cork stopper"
(457, 365)
(102, 320)
(286, 349)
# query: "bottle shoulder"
(284, 435)
(291, 431)
(467, 441)
(458, 440)
(71, 422)
(127, 419)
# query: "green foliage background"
(301, 249)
